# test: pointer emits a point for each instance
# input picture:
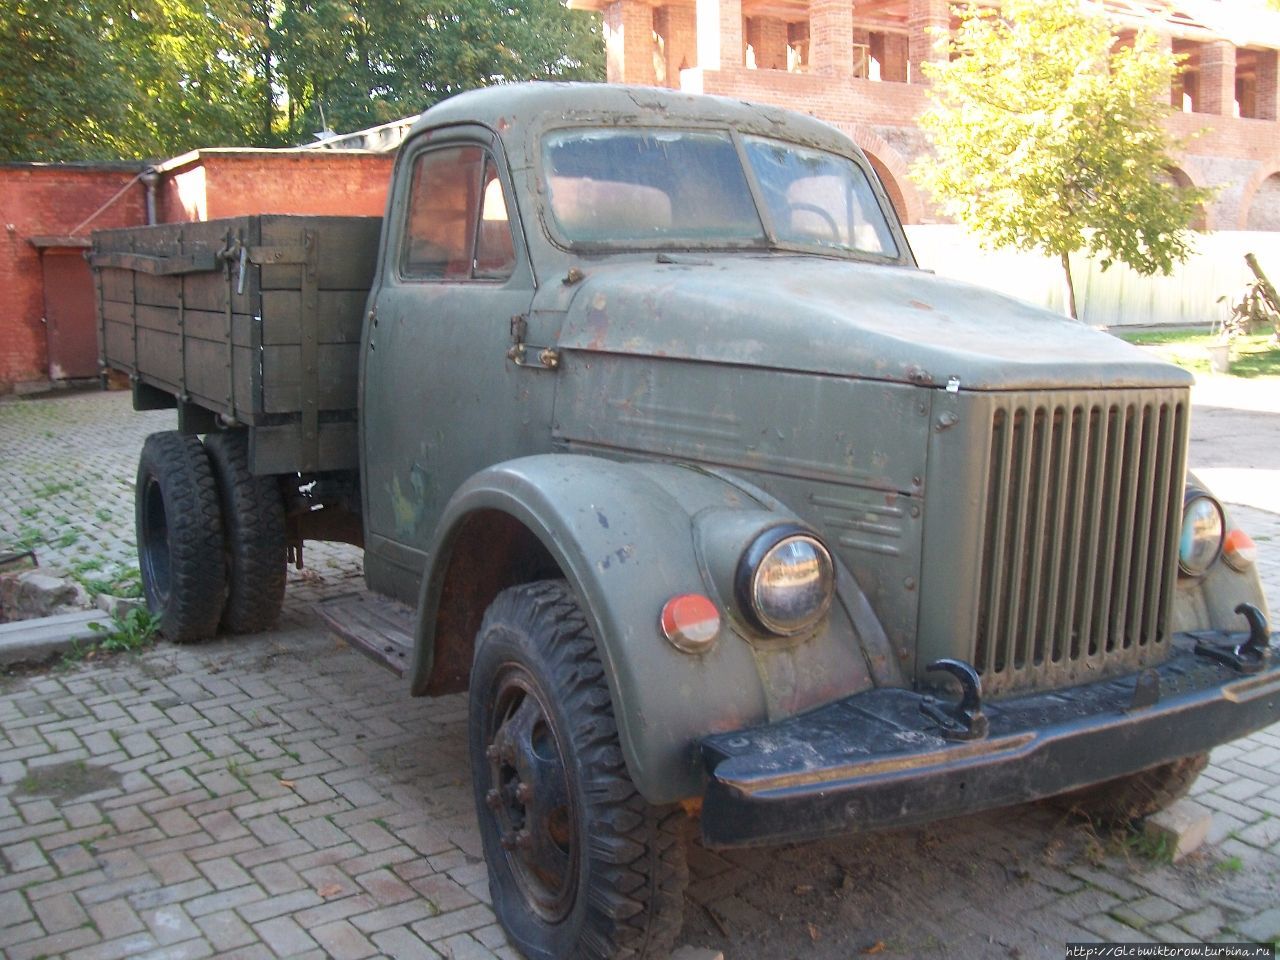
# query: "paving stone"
(342, 941)
(1180, 828)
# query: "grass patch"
(52, 489)
(127, 632)
(1252, 356)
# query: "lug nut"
(493, 799)
(508, 840)
(524, 840)
(491, 752)
(524, 793)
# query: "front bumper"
(874, 760)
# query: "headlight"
(1202, 529)
(785, 581)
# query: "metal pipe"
(150, 177)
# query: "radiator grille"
(1082, 506)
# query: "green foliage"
(117, 79)
(114, 79)
(132, 630)
(1049, 135)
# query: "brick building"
(47, 212)
(856, 64)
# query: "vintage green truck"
(659, 443)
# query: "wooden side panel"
(282, 375)
(117, 285)
(278, 449)
(257, 342)
(339, 317)
(346, 252)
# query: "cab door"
(441, 400)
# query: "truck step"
(380, 628)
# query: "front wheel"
(579, 864)
(1137, 795)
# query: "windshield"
(688, 188)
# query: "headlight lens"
(1202, 531)
(785, 581)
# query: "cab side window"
(457, 226)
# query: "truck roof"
(516, 108)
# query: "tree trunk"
(1068, 288)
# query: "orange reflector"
(1239, 550)
(691, 622)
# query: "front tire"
(179, 531)
(1120, 801)
(579, 864)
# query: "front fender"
(627, 537)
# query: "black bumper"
(874, 760)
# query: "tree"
(116, 79)
(1048, 133)
(112, 79)
(356, 61)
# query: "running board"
(380, 628)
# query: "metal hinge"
(525, 355)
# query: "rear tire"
(580, 865)
(253, 529)
(179, 531)
(1120, 801)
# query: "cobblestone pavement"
(278, 795)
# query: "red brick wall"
(232, 183)
(43, 200)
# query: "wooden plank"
(278, 448)
(282, 371)
(346, 251)
(202, 260)
(118, 312)
(207, 374)
(157, 291)
(210, 291)
(118, 347)
(242, 383)
(158, 355)
(380, 628)
(117, 285)
(340, 315)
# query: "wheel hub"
(529, 796)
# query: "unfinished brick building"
(856, 64)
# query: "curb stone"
(37, 640)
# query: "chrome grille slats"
(1081, 506)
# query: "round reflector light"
(1239, 550)
(690, 622)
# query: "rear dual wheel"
(211, 545)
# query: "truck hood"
(843, 318)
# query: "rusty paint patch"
(919, 305)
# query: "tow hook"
(964, 720)
(1248, 657)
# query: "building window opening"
(798, 47)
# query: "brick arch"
(891, 167)
(1266, 182)
(1183, 179)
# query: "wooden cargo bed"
(256, 319)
